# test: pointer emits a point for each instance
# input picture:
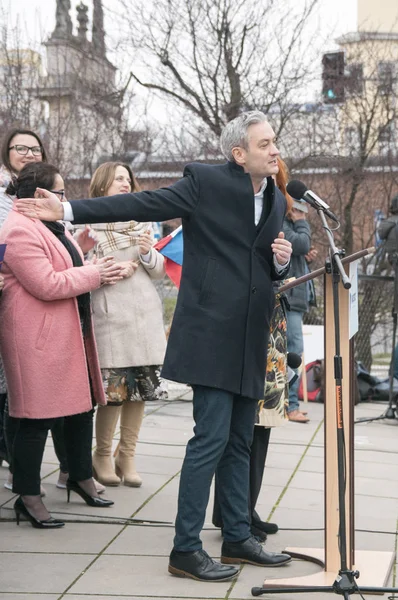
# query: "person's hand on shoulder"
(46, 208)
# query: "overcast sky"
(37, 19)
(38, 16)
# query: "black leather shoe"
(198, 565)
(265, 527)
(258, 534)
(251, 551)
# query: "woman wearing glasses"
(51, 362)
(20, 147)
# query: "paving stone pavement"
(122, 552)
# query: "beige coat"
(128, 316)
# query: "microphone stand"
(345, 583)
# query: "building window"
(351, 140)
(354, 79)
(386, 73)
(386, 140)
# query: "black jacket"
(220, 328)
(388, 231)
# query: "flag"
(172, 247)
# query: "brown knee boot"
(130, 425)
(105, 425)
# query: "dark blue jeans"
(295, 343)
(223, 434)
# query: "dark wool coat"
(219, 334)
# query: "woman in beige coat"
(129, 330)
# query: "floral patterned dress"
(133, 384)
(272, 408)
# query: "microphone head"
(293, 360)
(296, 189)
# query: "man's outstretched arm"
(178, 200)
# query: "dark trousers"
(10, 425)
(258, 456)
(57, 433)
(223, 433)
(3, 445)
(29, 441)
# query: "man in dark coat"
(232, 218)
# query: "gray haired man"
(232, 218)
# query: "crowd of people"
(84, 328)
(85, 333)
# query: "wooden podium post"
(374, 567)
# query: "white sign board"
(353, 300)
(313, 343)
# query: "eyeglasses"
(23, 150)
(61, 193)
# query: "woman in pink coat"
(48, 346)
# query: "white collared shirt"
(259, 201)
(258, 209)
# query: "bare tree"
(353, 142)
(218, 57)
(71, 94)
(348, 150)
(20, 69)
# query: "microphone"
(299, 191)
(293, 362)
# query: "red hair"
(282, 178)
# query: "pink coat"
(41, 341)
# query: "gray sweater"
(299, 235)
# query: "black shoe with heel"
(73, 486)
(20, 509)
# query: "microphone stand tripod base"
(374, 569)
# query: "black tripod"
(345, 583)
(392, 410)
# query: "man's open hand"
(46, 208)
(282, 249)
